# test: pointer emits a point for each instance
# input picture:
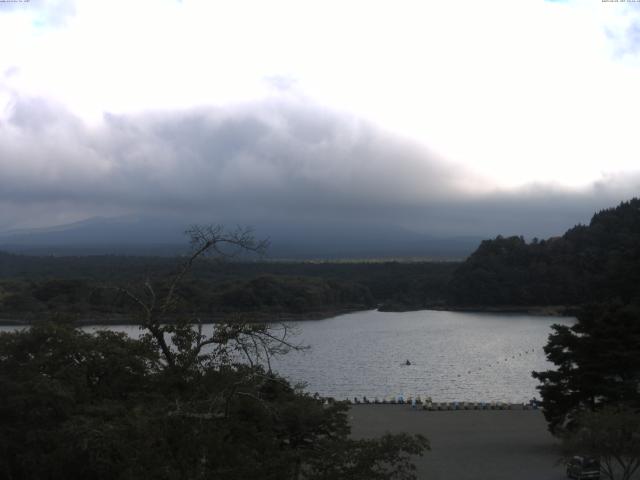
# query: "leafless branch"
(253, 340)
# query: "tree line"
(88, 287)
(599, 261)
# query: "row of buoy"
(495, 364)
(501, 361)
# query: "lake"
(454, 356)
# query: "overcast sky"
(463, 117)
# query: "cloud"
(623, 30)
(423, 70)
(281, 160)
(42, 13)
(269, 116)
(281, 155)
(630, 43)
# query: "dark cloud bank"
(281, 165)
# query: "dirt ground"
(470, 445)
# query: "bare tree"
(181, 340)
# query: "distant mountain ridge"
(136, 235)
(62, 227)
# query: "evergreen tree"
(597, 363)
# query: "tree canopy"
(175, 403)
(597, 262)
(611, 434)
(597, 363)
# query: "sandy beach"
(470, 445)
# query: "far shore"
(101, 319)
(98, 319)
(536, 310)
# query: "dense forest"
(590, 398)
(588, 263)
(90, 287)
(595, 262)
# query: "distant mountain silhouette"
(137, 235)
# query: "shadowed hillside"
(588, 263)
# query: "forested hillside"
(595, 262)
(588, 263)
(36, 287)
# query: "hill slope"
(599, 261)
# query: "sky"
(465, 118)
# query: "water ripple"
(454, 356)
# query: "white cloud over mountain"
(474, 118)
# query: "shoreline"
(102, 319)
(535, 310)
(123, 319)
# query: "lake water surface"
(454, 356)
